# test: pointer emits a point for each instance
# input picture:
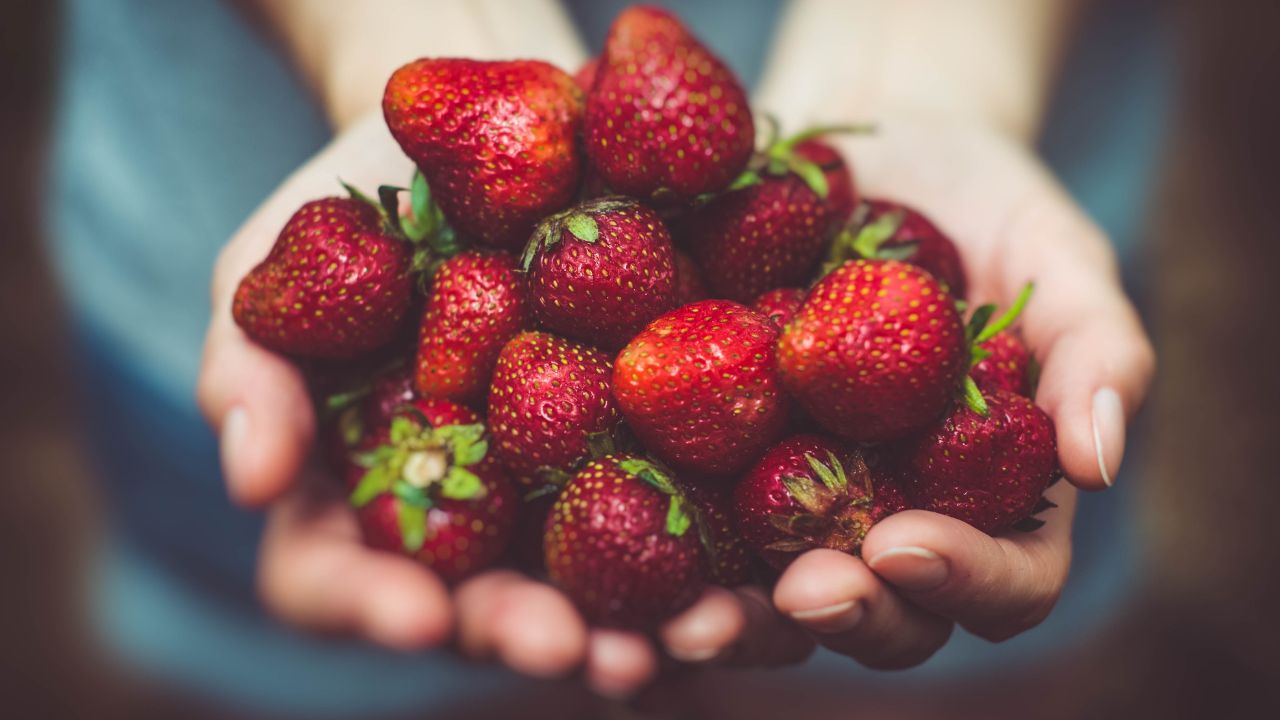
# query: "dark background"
(1201, 640)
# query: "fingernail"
(832, 618)
(911, 568)
(1108, 433)
(235, 436)
(692, 655)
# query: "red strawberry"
(432, 492)
(774, 232)
(842, 194)
(699, 387)
(585, 76)
(888, 230)
(337, 283)
(665, 119)
(988, 471)
(476, 304)
(780, 304)
(600, 271)
(689, 285)
(728, 558)
(811, 492)
(620, 542)
(876, 351)
(495, 140)
(367, 425)
(549, 395)
(1009, 365)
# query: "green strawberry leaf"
(461, 484)
(584, 227)
(650, 473)
(350, 426)
(872, 236)
(413, 526)
(469, 452)
(748, 178)
(376, 481)
(1005, 320)
(978, 354)
(824, 473)
(389, 209)
(811, 174)
(403, 429)
(901, 252)
(805, 492)
(424, 214)
(973, 397)
(978, 322)
(601, 444)
(376, 456)
(842, 480)
(678, 516)
(411, 494)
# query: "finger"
(315, 573)
(706, 629)
(527, 625)
(771, 639)
(993, 587)
(852, 612)
(619, 663)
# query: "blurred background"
(1199, 637)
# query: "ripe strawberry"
(811, 492)
(477, 303)
(665, 119)
(689, 285)
(780, 304)
(1009, 365)
(699, 387)
(585, 76)
(876, 351)
(842, 193)
(888, 230)
(433, 493)
(988, 471)
(620, 543)
(600, 271)
(548, 396)
(495, 139)
(727, 556)
(337, 283)
(774, 232)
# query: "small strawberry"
(620, 542)
(495, 139)
(1009, 365)
(699, 387)
(728, 558)
(811, 492)
(600, 271)
(690, 287)
(888, 230)
(989, 471)
(549, 396)
(665, 119)
(477, 303)
(433, 493)
(780, 304)
(367, 425)
(336, 284)
(876, 352)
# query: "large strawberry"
(431, 491)
(1007, 365)
(988, 470)
(810, 491)
(477, 303)
(549, 396)
(665, 119)
(495, 139)
(337, 283)
(876, 352)
(621, 543)
(774, 231)
(780, 304)
(889, 230)
(600, 271)
(699, 387)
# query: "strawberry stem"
(973, 397)
(1008, 317)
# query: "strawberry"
(496, 140)
(876, 351)
(727, 556)
(549, 396)
(842, 193)
(337, 282)
(989, 471)
(1009, 365)
(772, 232)
(665, 119)
(585, 76)
(433, 493)
(600, 271)
(619, 542)
(888, 230)
(810, 491)
(780, 304)
(689, 285)
(699, 387)
(367, 425)
(477, 303)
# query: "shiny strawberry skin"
(690, 287)
(605, 291)
(496, 140)
(699, 387)
(548, 394)
(934, 252)
(728, 560)
(876, 352)
(334, 285)
(608, 548)
(1008, 367)
(665, 119)
(989, 472)
(780, 304)
(478, 301)
(842, 192)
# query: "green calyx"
(579, 221)
(680, 515)
(780, 158)
(861, 239)
(981, 328)
(424, 227)
(834, 502)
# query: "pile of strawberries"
(648, 355)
